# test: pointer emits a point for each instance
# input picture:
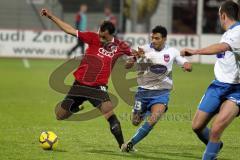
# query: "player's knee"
(215, 132)
(62, 111)
(136, 119)
(107, 108)
(153, 120)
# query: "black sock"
(116, 130)
(204, 135)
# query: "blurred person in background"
(109, 16)
(81, 25)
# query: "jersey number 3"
(138, 105)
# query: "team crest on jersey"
(166, 57)
(111, 46)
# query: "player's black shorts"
(79, 93)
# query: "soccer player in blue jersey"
(155, 83)
(222, 97)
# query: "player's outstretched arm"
(210, 50)
(61, 24)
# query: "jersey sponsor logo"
(109, 50)
(103, 52)
(158, 69)
(166, 57)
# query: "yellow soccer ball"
(48, 140)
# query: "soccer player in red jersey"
(93, 72)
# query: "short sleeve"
(232, 39)
(178, 58)
(86, 37)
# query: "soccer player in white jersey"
(155, 83)
(222, 97)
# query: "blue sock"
(211, 151)
(141, 133)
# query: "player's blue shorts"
(145, 99)
(217, 93)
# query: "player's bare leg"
(228, 111)
(107, 109)
(62, 110)
(115, 126)
(199, 125)
(66, 108)
(157, 111)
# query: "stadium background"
(31, 48)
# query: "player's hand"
(134, 52)
(129, 64)
(187, 67)
(187, 52)
(45, 12)
(139, 53)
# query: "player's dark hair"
(231, 9)
(160, 29)
(107, 26)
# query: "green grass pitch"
(27, 108)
